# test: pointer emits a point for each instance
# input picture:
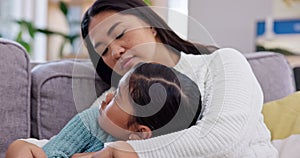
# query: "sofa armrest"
(14, 93)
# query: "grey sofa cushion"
(273, 73)
(14, 94)
(60, 90)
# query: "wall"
(231, 23)
(175, 13)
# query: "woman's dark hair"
(163, 99)
(139, 9)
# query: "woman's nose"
(117, 50)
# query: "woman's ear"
(154, 32)
(144, 132)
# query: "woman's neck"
(166, 56)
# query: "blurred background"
(50, 29)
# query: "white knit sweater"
(232, 125)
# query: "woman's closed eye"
(121, 34)
(104, 52)
(117, 37)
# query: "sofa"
(37, 100)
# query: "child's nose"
(109, 97)
(105, 102)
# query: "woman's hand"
(22, 149)
(119, 149)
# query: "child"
(151, 100)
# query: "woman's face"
(115, 113)
(122, 40)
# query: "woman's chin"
(124, 69)
(121, 72)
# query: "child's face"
(114, 117)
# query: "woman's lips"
(126, 63)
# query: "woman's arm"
(231, 125)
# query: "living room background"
(231, 23)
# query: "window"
(178, 17)
(27, 10)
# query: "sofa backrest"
(61, 89)
(273, 73)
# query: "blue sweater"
(81, 134)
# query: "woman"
(119, 34)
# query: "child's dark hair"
(163, 99)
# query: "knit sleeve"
(234, 99)
(81, 134)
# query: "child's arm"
(75, 137)
(81, 134)
(20, 149)
(25, 148)
(84, 155)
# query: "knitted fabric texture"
(81, 134)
